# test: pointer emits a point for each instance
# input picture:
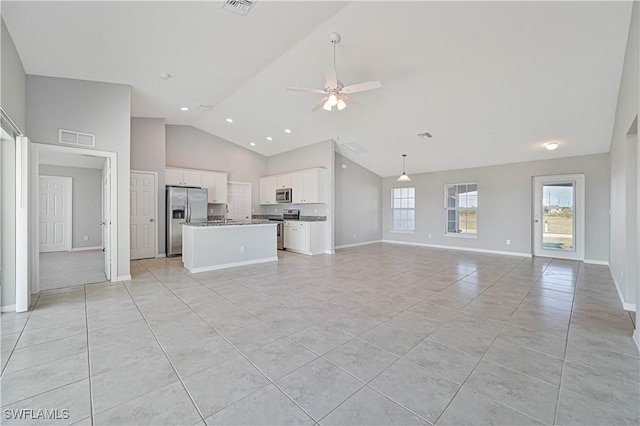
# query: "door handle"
(151, 220)
(536, 221)
(101, 223)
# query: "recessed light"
(287, 130)
(165, 75)
(229, 120)
(269, 138)
(552, 145)
(184, 109)
(252, 144)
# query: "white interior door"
(55, 213)
(558, 216)
(143, 215)
(239, 200)
(106, 216)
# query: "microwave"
(283, 195)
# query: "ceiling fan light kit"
(404, 177)
(335, 93)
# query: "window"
(461, 209)
(403, 209)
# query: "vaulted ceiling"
(491, 81)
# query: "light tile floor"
(71, 268)
(379, 334)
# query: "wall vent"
(241, 7)
(355, 147)
(70, 137)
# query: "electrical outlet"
(355, 235)
(85, 238)
(241, 249)
(622, 273)
(508, 242)
(429, 236)
(315, 210)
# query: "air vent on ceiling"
(241, 7)
(354, 147)
(71, 137)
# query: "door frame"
(579, 215)
(69, 218)
(155, 210)
(36, 148)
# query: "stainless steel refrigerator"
(183, 205)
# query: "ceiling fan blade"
(332, 78)
(303, 89)
(350, 101)
(361, 87)
(319, 104)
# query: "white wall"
(321, 154)
(86, 203)
(103, 109)
(624, 250)
(504, 204)
(12, 80)
(148, 154)
(8, 222)
(193, 148)
(358, 203)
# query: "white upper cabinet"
(214, 182)
(284, 181)
(268, 186)
(216, 185)
(309, 186)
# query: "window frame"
(457, 209)
(394, 209)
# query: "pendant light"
(404, 177)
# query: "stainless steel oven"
(280, 238)
(283, 195)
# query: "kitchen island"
(208, 246)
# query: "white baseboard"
(8, 308)
(626, 306)
(330, 251)
(596, 262)
(123, 278)
(358, 244)
(160, 255)
(86, 248)
(477, 250)
(232, 265)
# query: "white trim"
(23, 290)
(155, 189)
(596, 262)
(123, 278)
(8, 308)
(358, 244)
(329, 252)
(477, 250)
(87, 248)
(160, 255)
(113, 179)
(625, 305)
(68, 246)
(460, 235)
(232, 264)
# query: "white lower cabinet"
(304, 237)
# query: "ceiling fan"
(335, 92)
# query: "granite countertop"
(302, 218)
(230, 223)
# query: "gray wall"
(86, 202)
(504, 204)
(103, 109)
(358, 203)
(192, 148)
(12, 80)
(623, 259)
(148, 154)
(320, 154)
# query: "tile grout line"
(14, 348)
(86, 322)
(163, 352)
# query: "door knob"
(536, 221)
(151, 220)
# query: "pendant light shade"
(404, 177)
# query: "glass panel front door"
(558, 221)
